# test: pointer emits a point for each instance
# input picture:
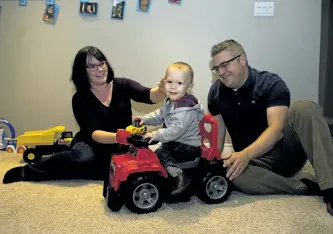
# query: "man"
(272, 140)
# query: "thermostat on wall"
(264, 9)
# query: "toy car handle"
(139, 141)
(153, 142)
(122, 135)
(125, 137)
(140, 138)
(10, 126)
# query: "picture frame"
(49, 13)
(175, 1)
(89, 8)
(50, 2)
(22, 2)
(143, 6)
(118, 9)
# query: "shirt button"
(238, 103)
(235, 93)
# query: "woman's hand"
(157, 94)
(161, 85)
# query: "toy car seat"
(207, 151)
(211, 150)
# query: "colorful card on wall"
(83, 6)
(175, 1)
(89, 8)
(118, 9)
(143, 6)
(22, 2)
(50, 2)
(50, 14)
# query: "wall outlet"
(264, 9)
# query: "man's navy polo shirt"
(244, 110)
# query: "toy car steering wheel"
(139, 141)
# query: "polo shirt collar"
(250, 81)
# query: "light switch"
(264, 9)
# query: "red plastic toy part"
(210, 151)
(139, 159)
(143, 160)
(122, 135)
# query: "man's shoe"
(328, 199)
(182, 183)
(313, 188)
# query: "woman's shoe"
(13, 175)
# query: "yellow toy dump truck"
(44, 142)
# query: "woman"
(101, 105)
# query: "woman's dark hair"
(79, 71)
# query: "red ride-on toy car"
(138, 180)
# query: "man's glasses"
(225, 64)
(94, 67)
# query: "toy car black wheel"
(113, 199)
(214, 188)
(32, 156)
(143, 194)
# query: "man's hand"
(236, 162)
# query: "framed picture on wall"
(118, 8)
(49, 14)
(22, 2)
(143, 6)
(50, 2)
(175, 1)
(89, 8)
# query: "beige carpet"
(78, 207)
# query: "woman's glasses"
(94, 67)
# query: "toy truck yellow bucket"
(41, 137)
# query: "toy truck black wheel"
(32, 156)
(113, 199)
(143, 194)
(214, 188)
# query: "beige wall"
(36, 58)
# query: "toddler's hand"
(149, 135)
(137, 121)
